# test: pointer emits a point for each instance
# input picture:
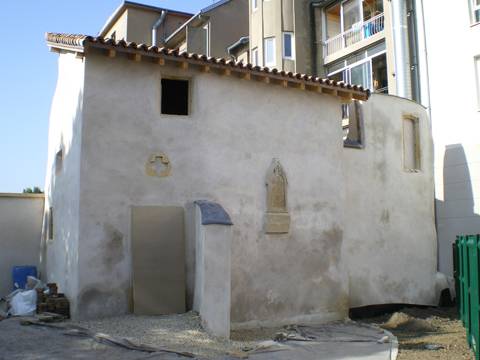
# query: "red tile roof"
(78, 43)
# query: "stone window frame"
(358, 143)
(189, 79)
(417, 145)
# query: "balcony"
(358, 32)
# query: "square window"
(288, 46)
(175, 97)
(270, 51)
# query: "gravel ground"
(178, 332)
(417, 329)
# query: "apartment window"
(411, 143)
(255, 57)
(475, 11)
(255, 4)
(175, 97)
(288, 46)
(367, 68)
(269, 48)
(477, 77)
(352, 124)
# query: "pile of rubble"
(36, 298)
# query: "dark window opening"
(174, 97)
(352, 125)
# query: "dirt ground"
(426, 333)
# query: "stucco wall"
(390, 239)
(455, 123)
(20, 234)
(62, 187)
(221, 153)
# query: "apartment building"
(213, 30)
(375, 43)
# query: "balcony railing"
(358, 32)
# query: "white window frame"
(292, 45)
(255, 5)
(348, 68)
(255, 58)
(265, 52)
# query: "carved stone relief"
(158, 165)
(277, 219)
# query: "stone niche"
(277, 218)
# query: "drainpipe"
(414, 61)
(313, 35)
(400, 40)
(155, 27)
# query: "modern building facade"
(213, 30)
(455, 119)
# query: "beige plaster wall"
(136, 25)
(119, 28)
(20, 234)
(389, 240)
(221, 153)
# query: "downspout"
(414, 61)
(400, 40)
(157, 24)
(313, 37)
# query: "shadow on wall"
(57, 239)
(456, 213)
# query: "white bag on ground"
(24, 303)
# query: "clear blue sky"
(28, 73)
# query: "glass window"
(269, 49)
(360, 75)
(379, 74)
(254, 4)
(333, 20)
(288, 45)
(351, 13)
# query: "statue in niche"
(277, 219)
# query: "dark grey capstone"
(213, 213)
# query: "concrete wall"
(455, 123)
(62, 187)
(216, 153)
(389, 238)
(20, 234)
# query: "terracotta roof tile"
(77, 42)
